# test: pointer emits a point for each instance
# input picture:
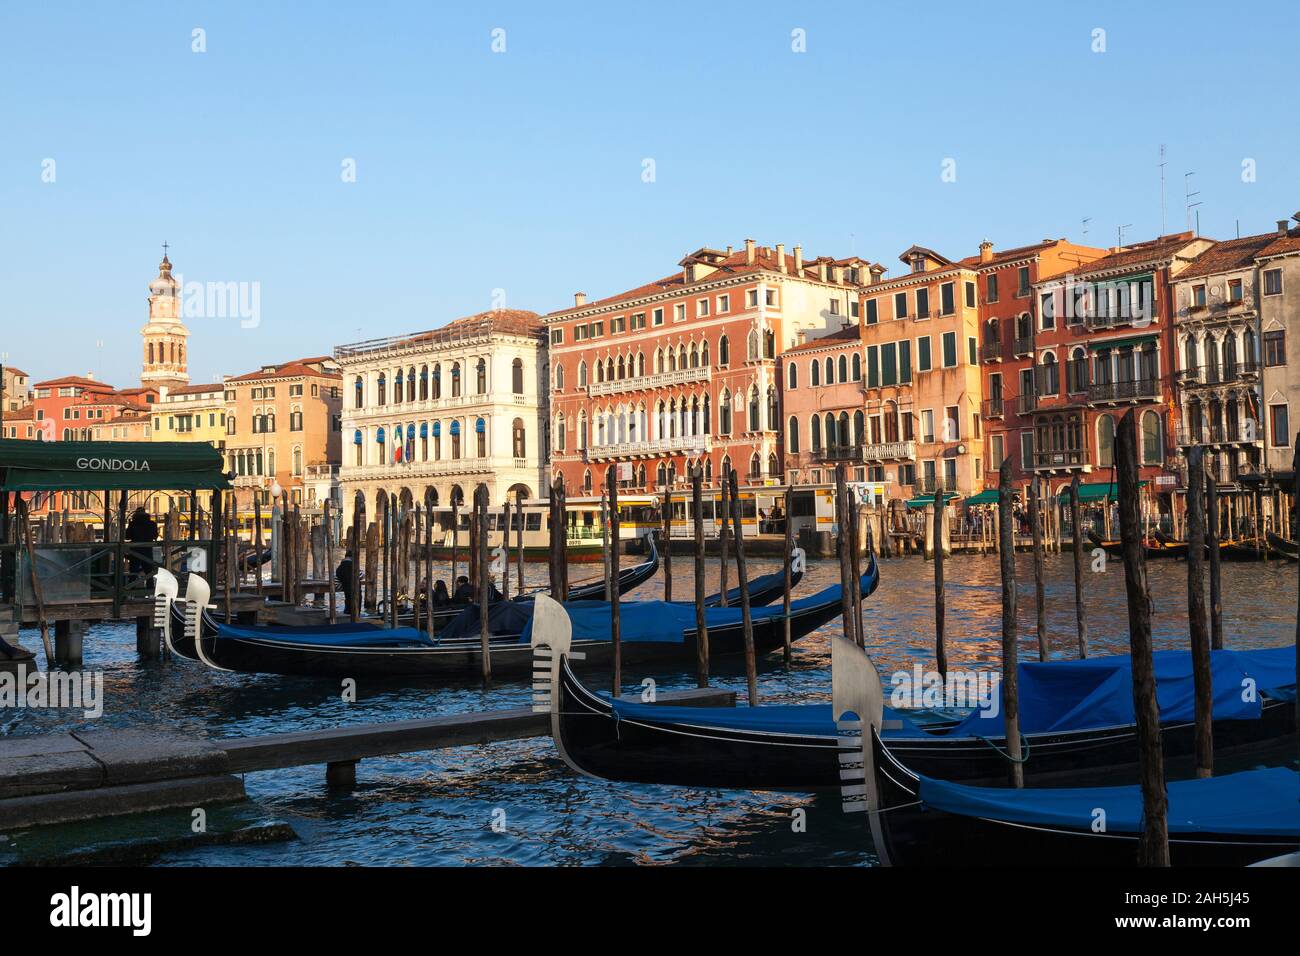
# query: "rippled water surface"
(438, 808)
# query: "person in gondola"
(141, 529)
(440, 596)
(464, 593)
(344, 575)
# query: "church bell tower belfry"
(165, 359)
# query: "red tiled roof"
(75, 380)
(287, 370)
(765, 260)
(1008, 255)
(513, 321)
(1227, 255)
(1282, 245)
(16, 371)
(846, 335)
(195, 389)
(1153, 250)
(25, 414)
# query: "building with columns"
(165, 360)
(447, 410)
(682, 371)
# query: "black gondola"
(1282, 547)
(795, 746)
(363, 650)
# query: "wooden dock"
(86, 775)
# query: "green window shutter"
(905, 361)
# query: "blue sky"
(522, 171)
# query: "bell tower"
(165, 361)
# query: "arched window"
(704, 353)
(609, 370)
(829, 369)
(771, 408)
(859, 429)
(681, 356)
(455, 439)
(815, 373)
(755, 466)
(1105, 441)
(622, 369)
(358, 393)
(398, 379)
(480, 437)
(381, 385)
(455, 380)
(1051, 373)
(480, 378)
(753, 345)
(753, 423)
(517, 376)
(1248, 349)
(437, 381)
(559, 378)
(640, 368)
(792, 436)
(410, 384)
(424, 383)
(773, 468)
(1229, 357)
(695, 355)
(1189, 353)
(582, 374)
(857, 367)
(586, 481)
(1153, 452)
(792, 376)
(559, 432)
(724, 351)
(844, 368)
(150, 353)
(724, 413)
(517, 438)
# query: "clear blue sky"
(522, 171)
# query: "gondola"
(251, 560)
(653, 632)
(795, 746)
(915, 819)
(1282, 547)
(1232, 820)
(1114, 548)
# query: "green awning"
(109, 466)
(920, 501)
(1096, 491)
(1132, 340)
(987, 497)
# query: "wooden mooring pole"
(722, 539)
(1080, 612)
(1153, 846)
(855, 563)
(1036, 525)
(940, 649)
(843, 547)
(1198, 626)
(751, 662)
(505, 550)
(428, 562)
(1212, 542)
(788, 575)
(611, 580)
(668, 544)
(484, 579)
(701, 625)
(1010, 652)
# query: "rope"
(1024, 742)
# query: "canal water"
(440, 808)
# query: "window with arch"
(517, 438)
(772, 412)
(358, 393)
(380, 385)
(1189, 353)
(517, 376)
(773, 466)
(559, 432)
(1153, 445)
(844, 368)
(724, 413)
(1106, 441)
(792, 436)
(724, 351)
(586, 481)
(437, 381)
(480, 378)
(829, 369)
(814, 373)
(480, 437)
(398, 379)
(857, 367)
(455, 380)
(755, 466)
(424, 383)
(559, 378)
(753, 346)
(410, 384)
(640, 367)
(455, 440)
(792, 376)
(815, 434)
(753, 423)
(695, 355)
(582, 374)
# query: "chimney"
(749, 252)
(728, 250)
(780, 256)
(798, 260)
(579, 298)
(90, 375)
(1281, 227)
(986, 251)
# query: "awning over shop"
(1131, 342)
(922, 500)
(109, 466)
(1096, 491)
(987, 497)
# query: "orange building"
(280, 421)
(683, 370)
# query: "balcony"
(1062, 458)
(681, 376)
(991, 352)
(929, 484)
(889, 451)
(1022, 346)
(838, 453)
(1115, 392)
(1026, 404)
(993, 408)
(682, 444)
(1205, 434)
(1205, 376)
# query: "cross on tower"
(165, 249)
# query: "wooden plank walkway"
(346, 745)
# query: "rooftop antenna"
(1162, 189)
(1119, 234)
(1188, 193)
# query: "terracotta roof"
(195, 389)
(850, 333)
(15, 371)
(765, 260)
(1282, 245)
(287, 370)
(1153, 250)
(75, 380)
(1009, 255)
(25, 414)
(1227, 255)
(514, 321)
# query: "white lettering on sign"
(111, 464)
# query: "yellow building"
(191, 413)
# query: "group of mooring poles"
(1205, 628)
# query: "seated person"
(464, 593)
(440, 596)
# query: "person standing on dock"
(344, 575)
(141, 529)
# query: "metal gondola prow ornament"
(551, 638)
(858, 703)
(166, 589)
(197, 595)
